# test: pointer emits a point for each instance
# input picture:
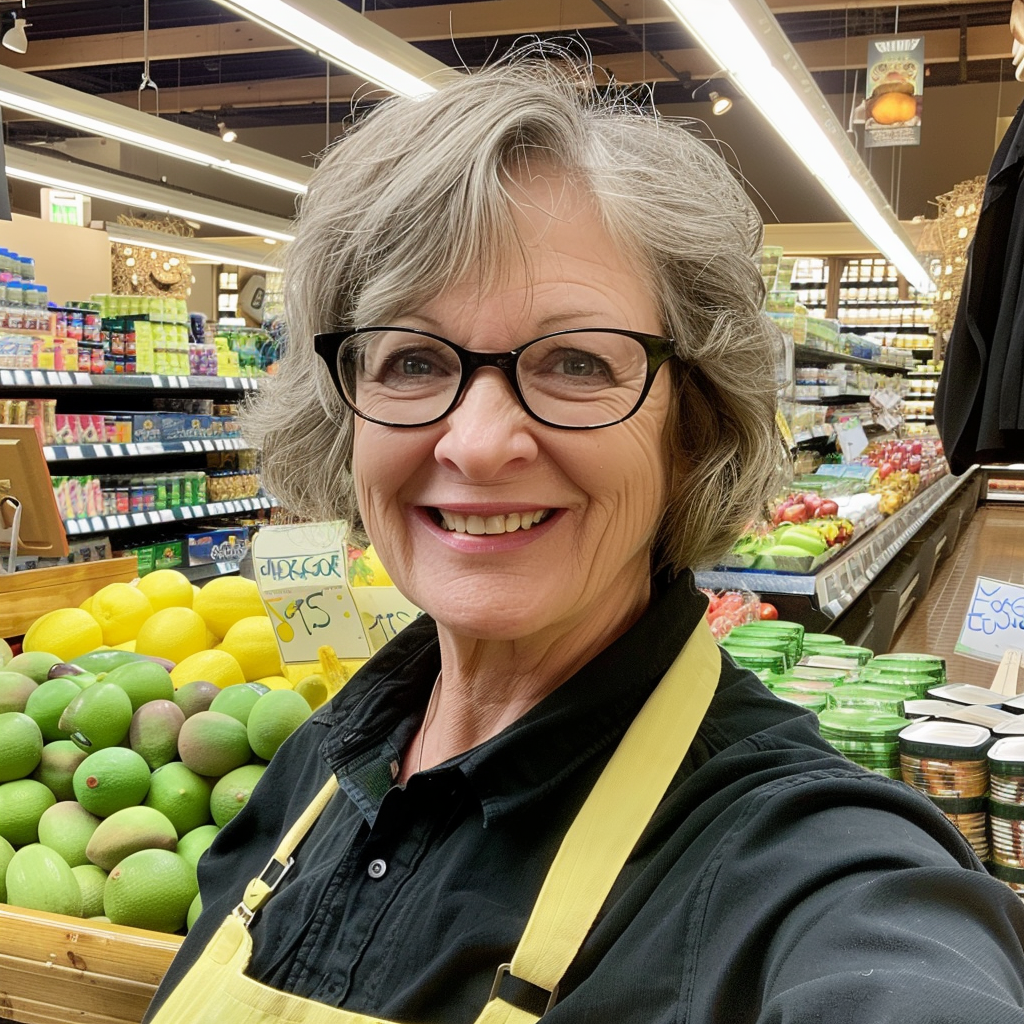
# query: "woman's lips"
(491, 526)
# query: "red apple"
(914, 464)
(916, 448)
(828, 508)
(795, 513)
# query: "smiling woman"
(527, 356)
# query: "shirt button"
(377, 869)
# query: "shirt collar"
(377, 712)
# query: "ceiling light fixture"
(195, 248)
(227, 134)
(746, 40)
(15, 38)
(48, 171)
(52, 102)
(719, 104)
(342, 36)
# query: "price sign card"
(852, 439)
(994, 622)
(302, 573)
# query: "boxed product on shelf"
(224, 545)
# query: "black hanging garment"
(979, 405)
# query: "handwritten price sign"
(994, 622)
(302, 573)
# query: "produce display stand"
(24, 596)
(64, 970)
(864, 593)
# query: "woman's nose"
(488, 433)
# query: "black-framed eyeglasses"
(578, 379)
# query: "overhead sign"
(994, 622)
(894, 92)
(302, 574)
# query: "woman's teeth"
(480, 525)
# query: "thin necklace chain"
(426, 721)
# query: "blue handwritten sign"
(995, 620)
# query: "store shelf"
(924, 373)
(126, 382)
(852, 398)
(1012, 496)
(186, 513)
(918, 419)
(74, 452)
(838, 584)
(197, 573)
(804, 355)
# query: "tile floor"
(992, 546)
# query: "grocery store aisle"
(993, 546)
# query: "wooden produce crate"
(24, 596)
(58, 970)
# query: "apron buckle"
(522, 994)
(261, 888)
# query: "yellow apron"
(216, 989)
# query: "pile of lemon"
(220, 633)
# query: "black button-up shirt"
(776, 882)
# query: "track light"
(15, 38)
(227, 134)
(719, 104)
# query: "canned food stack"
(910, 674)
(869, 738)
(1006, 810)
(948, 763)
(869, 696)
(820, 643)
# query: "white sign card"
(852, 439)
(994, 622)
(302, 574)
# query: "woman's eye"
(414, 366)
(580, 365)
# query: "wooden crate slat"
(24, 596)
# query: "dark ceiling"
(74, 19)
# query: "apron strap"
(608, 826)
(260, 889)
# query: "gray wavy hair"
(415, 198)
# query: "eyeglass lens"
(579, 379)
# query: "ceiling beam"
(941, 46)
(413, 24)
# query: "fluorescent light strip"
(726, 35)
(57, 103)
(343, 37)
(202, 212)
(192, 247)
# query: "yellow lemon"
(120, 609)
(172, 633)
(195, 593)
(252, 642)
(274, 682)
(128, 645)
(298, 671)
(217, 667)
(314, 689)
(86, 605)
(225, 600)
(167, 588)
(66, 633)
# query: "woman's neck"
(486, 685)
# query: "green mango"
(106, 661)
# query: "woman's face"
(599, 493)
